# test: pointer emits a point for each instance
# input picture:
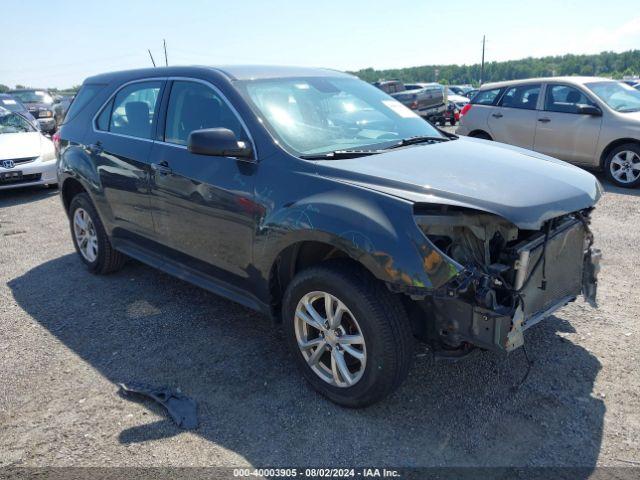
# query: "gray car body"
(581, 139)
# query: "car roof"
(18, 90)
(231, 72)
(569, 80)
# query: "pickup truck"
(426, 99)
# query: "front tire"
(349, 334)
(90, 238)
(622, 165)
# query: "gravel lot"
(68, 337)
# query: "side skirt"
(189, 274)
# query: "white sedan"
(26, 156)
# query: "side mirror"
(589, 110)
(218, 142)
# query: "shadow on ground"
(166, 332)
(24, 195)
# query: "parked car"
(26, 156)
(39, 102)
(471, 93)
(591, 122)
(426, 99)
(460, 89)
(322, 202)
(14, 105)
(60, 107)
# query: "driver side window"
(194, 106)
(565, 99)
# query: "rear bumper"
(34, 173)
(437, 111)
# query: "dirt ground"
(68, 337)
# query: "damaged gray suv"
(320, 201)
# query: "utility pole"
(164, 43)
(482, 64)
(152, 60)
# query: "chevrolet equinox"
(322, 202)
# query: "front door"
(563, 132)
(120, 145)
(513, 121)
(203, 205)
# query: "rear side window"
(194, 106)
(83, 97)
(522, 96)
(132, 110)
(486, 97)
(565, 99)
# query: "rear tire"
(90, 238)
(622, 165)
(371, 313)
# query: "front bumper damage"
(491, 306)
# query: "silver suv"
(591, 122)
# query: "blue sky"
(60, 43)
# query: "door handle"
(95, 148)
(544, 120)
(497, 115)
(162, 168)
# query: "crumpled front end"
(511, 278)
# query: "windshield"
(13, 123)
(11, 104)
(619, 96)
(321, 115)
(33, 96)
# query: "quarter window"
(194, 106)
(565, 99)
(522, 96)
(486, 97)
(132, 111)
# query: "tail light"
(414, 105)
(56, 140)
(465, 109)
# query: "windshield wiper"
(419, 139)
(337, 154)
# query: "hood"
(20, 145)
(521, 186)
(38, 106)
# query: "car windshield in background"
(13, 123)
(33, 96)
(11, 104)
(322, 115)
(619, 96)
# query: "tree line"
(605, 64)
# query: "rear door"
(120, 144)
(483, 105)
(564, 133)
(203, 205)
(514, 119)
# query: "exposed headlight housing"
(45, 114)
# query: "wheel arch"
(612, 145)
(69, 189)
(479, 131)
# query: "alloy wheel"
(625, 166)
(85, 235)
(330, 339)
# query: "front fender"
(376, 230)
